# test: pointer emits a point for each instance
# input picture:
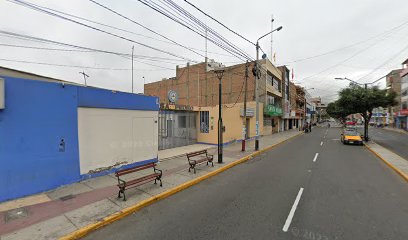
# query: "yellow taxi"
(351, 136)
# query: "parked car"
(351, 136)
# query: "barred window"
(204, 121)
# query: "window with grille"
(204, 121)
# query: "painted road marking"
(314, 159)
(321, 143)
(292, 211)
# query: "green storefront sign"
(273, 110)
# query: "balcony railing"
(273, 110)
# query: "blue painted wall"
(38, 115)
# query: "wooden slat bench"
(198, 157)
(123, 185)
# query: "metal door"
(176, 129)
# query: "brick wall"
(195, 87)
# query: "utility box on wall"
(2, 94)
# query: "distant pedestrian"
(306, 127)
(310, 127)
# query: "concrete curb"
(403, 175)
(395, 130)
(127, 211)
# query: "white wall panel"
(108, 137)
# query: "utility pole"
(365, 124)
(244, 129)
(257, 97)
(144, 82)
(220, 73)
(85, 76)
(133, 47)
(257, 76)
(205, 69)
(272, 20)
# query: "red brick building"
(195, 86)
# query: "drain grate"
(65, 198)
(15, 214)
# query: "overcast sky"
(363, 39)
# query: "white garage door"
(113, 137)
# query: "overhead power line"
(203, 25)
(141, 25)
(229, 29)
(348, 46)
(39, 9)
(43, 40)
(107, 25)
(167, 40)
(228, 47)
(148, 58)
(78, 66)
(351, 57)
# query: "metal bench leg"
(155, 181)
(158, 178)
(119, 193)
(194, 170)
(212, 163)
(124, 196)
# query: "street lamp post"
(257, 76)
(220, 74)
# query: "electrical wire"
(147, 58)
(77, 66)
(37, 39)
(229, 29)
(354, 55)
(200, 23)
(105, 25)
(348, 46)
(30, 6)
(231, 49)
(385, 62)
(239, 96)
(144, 27)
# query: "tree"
(336, 111)
(356, 99)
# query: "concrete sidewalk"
(396, 130)
(393, 160)
(56, 213)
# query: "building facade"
(54, 132)
(393, 82)
(402, 114)
(194, 92)
(286, 106)
(271, 97)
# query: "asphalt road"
(394, 141)
(346, 193)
